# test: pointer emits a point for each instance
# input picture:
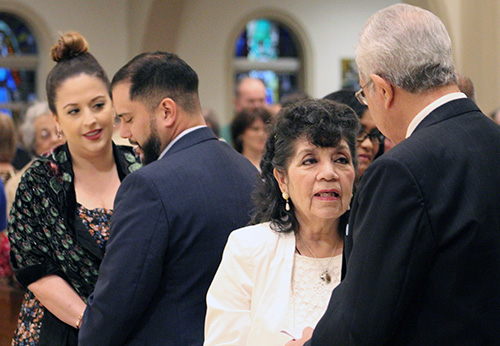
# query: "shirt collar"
(430, 107)
(182, 134)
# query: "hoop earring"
(285, 197)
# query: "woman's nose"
(328, 171)
(367, 143)
(89, 118)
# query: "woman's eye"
(74, 111)
(99, 105)
(309, 161)
(343, 160)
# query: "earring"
(349, 206)
(59, 134)
(285, 197)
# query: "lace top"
(310, 294)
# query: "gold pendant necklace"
(325, 275)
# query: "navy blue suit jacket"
(423, 250)
(170, 225)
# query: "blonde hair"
(7, 138)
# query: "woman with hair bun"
(60, 217)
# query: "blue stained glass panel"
(16, 39)
(264, 39)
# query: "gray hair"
(27, 128)
(408, 46)
(245, 79)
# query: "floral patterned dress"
(50, 234)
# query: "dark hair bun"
(69, 45)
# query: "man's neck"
(410, 105)
(186, 122)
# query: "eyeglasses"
(360, 94)
(375, 137)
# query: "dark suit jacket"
(170, 225)
(423, 250)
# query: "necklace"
(325, 275)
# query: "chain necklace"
(325, 275)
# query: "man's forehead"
(121, 99)
(122, 89)
(252, 85)
(121, 95)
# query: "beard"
(151, 149)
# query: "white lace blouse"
(262, 289)
(310, 294)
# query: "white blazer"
(248, 299)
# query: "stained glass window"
(268, 50)
(18, 61)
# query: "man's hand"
(306, 335)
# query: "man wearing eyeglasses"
(423, 249)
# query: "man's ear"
(282, 180)
(386, 88)
(167, 112)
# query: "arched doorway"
(269, 50)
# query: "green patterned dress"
(50, 234)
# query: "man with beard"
(171, 218)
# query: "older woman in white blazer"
(276, 277)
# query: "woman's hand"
(59, 298)
(306, 335)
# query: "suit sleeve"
(229, 297)
(392, 247)
(129, 272)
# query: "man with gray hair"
(250, 94)
(423, 248)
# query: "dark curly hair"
(243, 120)
(324, 123)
